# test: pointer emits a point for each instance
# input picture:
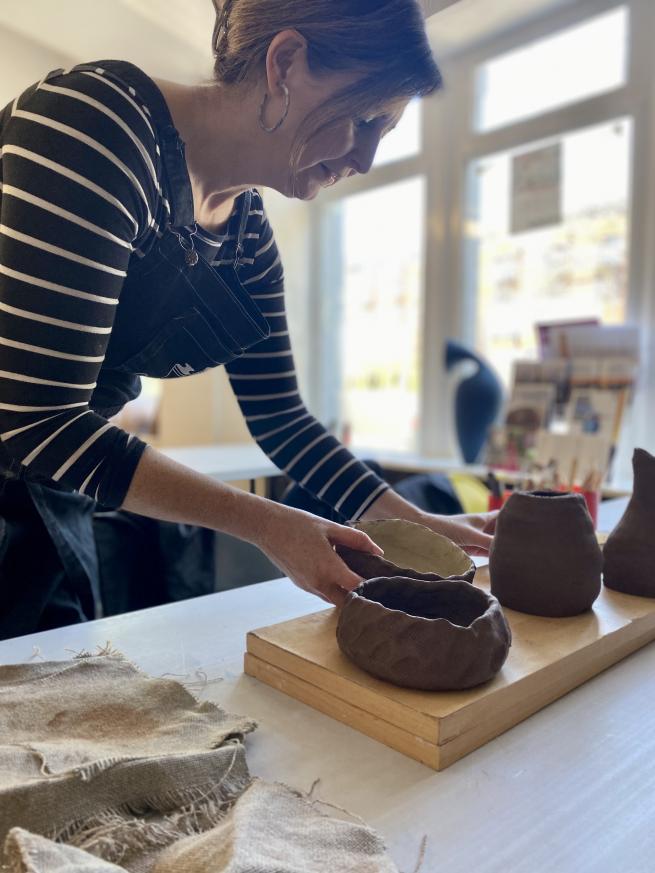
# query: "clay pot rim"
(454, 547)
(548, 495)
(491, 602)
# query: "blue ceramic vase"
(478, 400)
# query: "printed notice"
(537, 189)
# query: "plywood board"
(549, 657)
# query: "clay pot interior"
(460, 606)
(410, 550)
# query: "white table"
(231, 462)
(570, 790)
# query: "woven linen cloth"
(32, 853)
(103, 769)
(99, 755)
(272, 829)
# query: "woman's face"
(343, 148)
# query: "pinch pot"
(430, 635)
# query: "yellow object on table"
(472, 493)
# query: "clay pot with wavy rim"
(545, 558)
(410, 550)
(434, 636)
(629, 553)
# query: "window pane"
(405, 140)
(380, 304)
(576, 268)
(577, 63)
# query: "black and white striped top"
(81, 192)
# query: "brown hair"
(384, 40)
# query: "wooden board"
(548, 658)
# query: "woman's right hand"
(302, 546)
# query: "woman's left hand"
(473, 533)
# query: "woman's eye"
(363, 123)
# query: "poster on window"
(536, 189)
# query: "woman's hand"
(302, 546)
(473, 533)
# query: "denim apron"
(177, 316)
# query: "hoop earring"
(262, 109)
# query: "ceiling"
(176, 44)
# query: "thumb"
(354, 539)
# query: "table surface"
(570, 790)
(232, 462)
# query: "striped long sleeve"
(264, 382)
(79, 190)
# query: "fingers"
(336, 579)
(490, 520)
(477, 543)
(333, 592)
(475, 551)
(334, 595)
(331, 579)
(355, 539)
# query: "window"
(405, 140)
(379, 292)
(550, 73)
(576, 267)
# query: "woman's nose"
(365, 152)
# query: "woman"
(132, 242)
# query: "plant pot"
(629, 553)
(545, 559)
(410, 550)
(435, 636)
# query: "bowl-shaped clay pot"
(545, 558)
(629, 553)
(410, 550)
(436, 636)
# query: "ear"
(286, 59)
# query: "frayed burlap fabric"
(272, 829)
(103, 768)
(96, 754)
(31, 853)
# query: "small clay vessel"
(629, 553)
(545, 559)
(410, 550)
(435, 636)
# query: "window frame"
(449, 144)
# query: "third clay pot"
(545, 559)
(629, 553)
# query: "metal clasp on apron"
(190, 254)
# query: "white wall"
(23, 61)
(170, 39)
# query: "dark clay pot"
(545, 558)
(629, 553)
(435, 636)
